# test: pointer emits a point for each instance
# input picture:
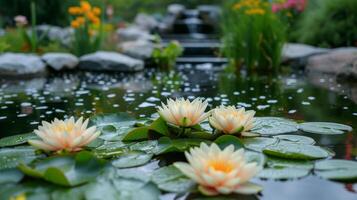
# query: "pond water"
(24, 104)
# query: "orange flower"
(75, 10)
(86, 7)
(96, 11)
(75, 24)
(81, 20)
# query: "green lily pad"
(167, 145)
(170, 179)
(296, 151)
(227, 140)
(115, 119)
(327, 128)
(274, 126)
(283, 173)
(252, 156)
(160, 126)
(273, 162)
(148, 146)
(10, 176)
(140, 133)
(66, 170)
(258, 143)
(296, 139)
(17, 139)
(132, 159)
(336, 169)
(12, 157)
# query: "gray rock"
(297, 54)
(14, 64)
(110, 61)
(60, 61)
(140, 49)
(133, 33)
(332, 62)
(146, 22)
(56, 33)
(176, 9)
(348, 73)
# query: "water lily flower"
(69, 135)
(220, 171)
(231, 120)
(184, 113)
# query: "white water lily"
(184, 113)
(67, 135)
(231, 120)
(220, 171)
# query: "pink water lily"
(220, 171)
(69, 135)
(184, 113)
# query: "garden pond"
(24, 104)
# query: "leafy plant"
(88, 28)
(329, 23)
(166, 57)
(3, 46)
(253, 35)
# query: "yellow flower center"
(221, 166)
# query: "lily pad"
(258, 143)
(10, 176)
(17, 139)
(327, 128)
(66, 170)
(140, 133)
(296, 151)
(252, 156)
(167, 145)
(148, 146)
(227, 140)
(274, 126)
(115, 119)
(336, 169)
(283, 173)
(132, 159)
(296, 139)
(288, 163)
(170, 179)
(12, 157)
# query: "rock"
(140, 49)
(176, 9)
(60, 61)
(56, 33)
(297, 54)
(146, 22)
(110, 61)
(14, 64)
(133, 33)
(332, 62)
(348, 73)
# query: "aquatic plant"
(231, 120)
(165, 57)
(64, 135)
(184, 113)
(220, 171)
(88, 28)
(253, 36)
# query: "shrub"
(165, 57)
(329, 23)
(253, 35)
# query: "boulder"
(60, 61)
(133, 33)
(146, 22)
(297, 54)
(333, 62)
(110, 61)
(176, 9)
(348, 73)
(140, 49)
(18, 64)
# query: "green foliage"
(329, 23)
(3, 46)
(12, 40)
(166, 57)
(253, 40)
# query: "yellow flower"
(85, 5)
(255, 11)
(75, 24)
(67, 135)
(231, 120)
(96, 11)
(184, 113)
(220, 171)
(21, 196)
(75, 10)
